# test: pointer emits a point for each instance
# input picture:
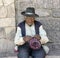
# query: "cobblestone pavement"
(46, 57)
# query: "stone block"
(7, 2)
(56, 4)
(4, 22)
(2, 33)
(43, 4)
(11, 11)
(20, 19)
(6, 45)
(1, 3)
(3, 45)
(50, 23)
(24, 0)
(53, 35)
(3, 12)
(56, 13)
(43, 12)
(23, 5)
(10, 32)
(54, 49)
(48, 4)
(38, 3)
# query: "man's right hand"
(27, 38)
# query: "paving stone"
(52, 56)
(45, 57)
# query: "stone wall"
(7, 27)
(49, 16)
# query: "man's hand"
(37, 36)
(27, 38)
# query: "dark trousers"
(25, 51)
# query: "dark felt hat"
(30, 11)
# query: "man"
(25, 31)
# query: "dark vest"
(22, 26)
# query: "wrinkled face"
(29, 20)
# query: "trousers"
(25, 51)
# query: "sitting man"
(28, 29)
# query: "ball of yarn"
(34, 43)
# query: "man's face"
(29, 20)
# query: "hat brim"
(30, 15)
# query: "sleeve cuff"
(44, 40)
(20, 41)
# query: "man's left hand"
(37, 36)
